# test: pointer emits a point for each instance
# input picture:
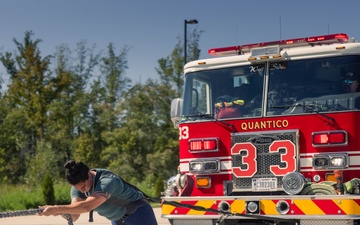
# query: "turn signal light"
(330, 177)
(203, 182)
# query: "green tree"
(104, 110)
(146, 142)
(30, 92)
(134, 139)
(8, 156)
(89, 143)
(170, 69)
(12, 136)
(32, 88)
(113, 68)
(81, 105)
(69, 113)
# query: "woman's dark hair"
(76, 172)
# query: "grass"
(22, 197)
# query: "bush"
(20, 197)
(48, 190)
(159, 186)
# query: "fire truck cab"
(269, 134)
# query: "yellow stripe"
(238, 206)
(348, 206)
(205, 203)
(167, 209)
(308, 207)
(268, 207)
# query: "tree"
(30, 92)
(60, 107)
(69, 113)
(134, 139)
(113, 68)
(32, 88)
(103, 99)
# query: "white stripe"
(225, 166)
(318, 153)
(305, 163)
(209, 158)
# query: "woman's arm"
(77, 206)
(75, 217)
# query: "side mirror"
(175, 111)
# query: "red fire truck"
(269, 134)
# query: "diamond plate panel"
(261, 141)
(192, 222)
(326, 222)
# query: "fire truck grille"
(264, 159)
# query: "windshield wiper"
(202, 116)
(315, 108)
(307, 108)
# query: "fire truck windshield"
(273, 88)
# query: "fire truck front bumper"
(311, 209)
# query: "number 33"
(249, 159)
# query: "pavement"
(58, 220)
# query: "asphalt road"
(57, 220)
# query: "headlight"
(196, 166)
(338, 161)
(321, 162)
(330, 161)
(204, 166)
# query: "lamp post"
(186, 22)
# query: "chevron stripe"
(206, 204)
(349, 207)
(268, 207)
(319, 207)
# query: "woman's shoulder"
(106, 175)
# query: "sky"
(152, 28)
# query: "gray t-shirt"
(111, 184)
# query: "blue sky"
(152, 27)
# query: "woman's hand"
(48, 210)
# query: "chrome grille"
(265, 159)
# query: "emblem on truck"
(263, 140)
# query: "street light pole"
(186, 22)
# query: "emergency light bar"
(240, 49)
